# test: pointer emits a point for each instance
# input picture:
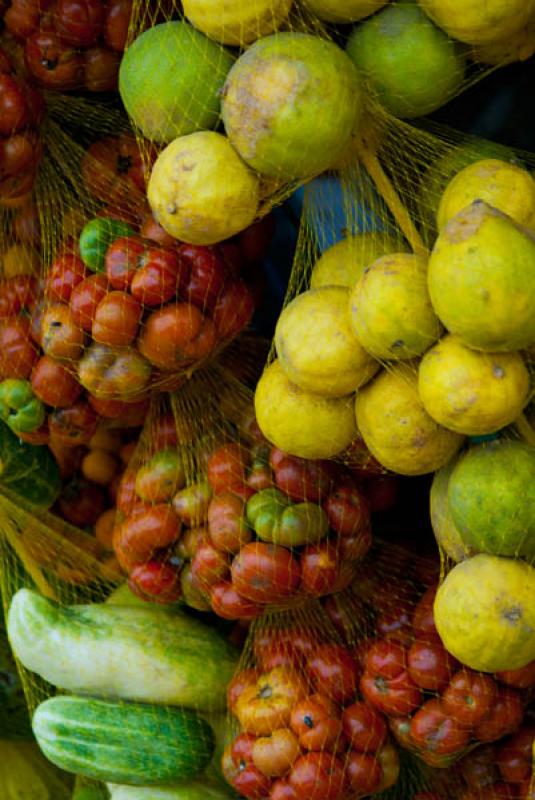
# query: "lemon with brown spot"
(390, 308)
(301, 423)
(397, 429)
(236, 22)
(344, 262)
(200, 191)
(316, 346)
(485, 613)
(501, 184)
(470, 391)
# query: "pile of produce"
(239, 561)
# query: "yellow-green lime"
(447, 535)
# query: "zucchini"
(131, 743)
(142, 654)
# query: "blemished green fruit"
(200, 191)
(491, 495)
(479, 21)
(482, 280)
(237, 22)
(413, 67)
(343, 11)
(447, 535)
(291, 104)
(170, 81)
(390, 309)
(344, 262)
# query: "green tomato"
(20, 409)
(97, 236)
(268, 502)
(159, 479)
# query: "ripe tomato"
(268, 704)
(274, 755)
(364, 727)
(22, 18)
(514, 755)
(240, 772)
(101, 69)
(114, 373)
(116, 319)
(400, 727)
(334, 672)
(61, 336)
(265, 573)
(123, 258)
(18, 354)
(132, 414)
(190, 541)
(209, 567)
(469, 697)
(479, 768)
(386, 683)
(363, 773)
(227, 524)
(79, 22)
(54, 384)
(56, 65)
(17, 293)
(227, 467)
(318, 776)
(207, 275)
(395, 624)
(156, 581)
(320, 565)
(241, 681)
(504, 717)
(143, 532)
(282, 790)
(523, 678)
(432, 729)
(227, 603)
(301, 479)
(66, 272)
(158, 277)
(175, 334)
(430, 665)
(233, 310)
(275, 647)
(423, 620)
(81, 503)
(73, 425)
(116, 24)
(85, 297)
(114, 168)
(316, 721)
(347, 510)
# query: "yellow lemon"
(236, 22)
(344, 262)
(479, 21)
(316, 346)
(485, 613)
(518, 47)
(299, 422)
(481, 280)
(391, 312)
(501, 184)
(470, 391)
(446, 533)
(200, 191)
(397, 429)
(344, 10)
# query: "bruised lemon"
(501, 184)
(236, 22)
(344, 262)
(470, 391)
(200, 191)
(397, 429)
(316, 346)
(301, 423)
(479, 21)
(391, 312)
(485, 613)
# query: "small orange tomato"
(116, 319)
(104, 528)
(61, 336)
(268, 705)
(99, 466)
(275, 755)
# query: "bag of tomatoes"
(434, 706)
(239, 525)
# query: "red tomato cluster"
(304, 733)
(21, 111)
(238, 564)
(71, 44)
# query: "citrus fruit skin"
(390, 309)
(481, 280)
(396, 428)
(237, 22)
(170, 81)
(491, 495)
(316, 346)
(447, 535)
(301, 423)
(485, 613)
(344, 10)
(411, 64)
(518, 47)
(503, 185)
(290, 105)
(200, 191)
(470, 391)
(479, 21)
(344, 262)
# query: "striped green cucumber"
(141, 654)
(131, 743)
